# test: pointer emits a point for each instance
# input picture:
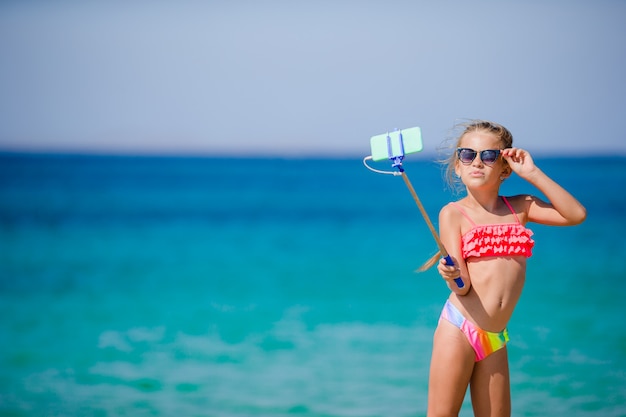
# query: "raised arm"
(562, 209)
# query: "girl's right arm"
(450, 232)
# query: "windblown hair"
(449, 163)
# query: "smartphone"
(397, 143)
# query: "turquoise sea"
(163, 286)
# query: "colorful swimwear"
(505, 239)
(483, 342)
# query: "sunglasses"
(488, 156)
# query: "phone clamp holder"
(393, 146)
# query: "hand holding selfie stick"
(394, 146)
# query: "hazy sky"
(308, 78)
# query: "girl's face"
(479, 173)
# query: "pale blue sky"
(308, 78)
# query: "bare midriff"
(497, 284)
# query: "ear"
(506, 172)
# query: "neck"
(488, 201)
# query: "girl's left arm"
(562, 209)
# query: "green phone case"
(383, 148)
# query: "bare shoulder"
(520, 200)
(450, 214)
(448, 209)
(524, 203)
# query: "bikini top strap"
(459, 208)
(511, 208)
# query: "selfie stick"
(396, 155)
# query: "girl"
(486, 237)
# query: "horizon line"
(269, 155)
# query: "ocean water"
(146, 286)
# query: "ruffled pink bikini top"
(505, 239)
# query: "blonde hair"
(449, 163)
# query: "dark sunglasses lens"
(467, 155)
(489, 156)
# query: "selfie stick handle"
(459, 282)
